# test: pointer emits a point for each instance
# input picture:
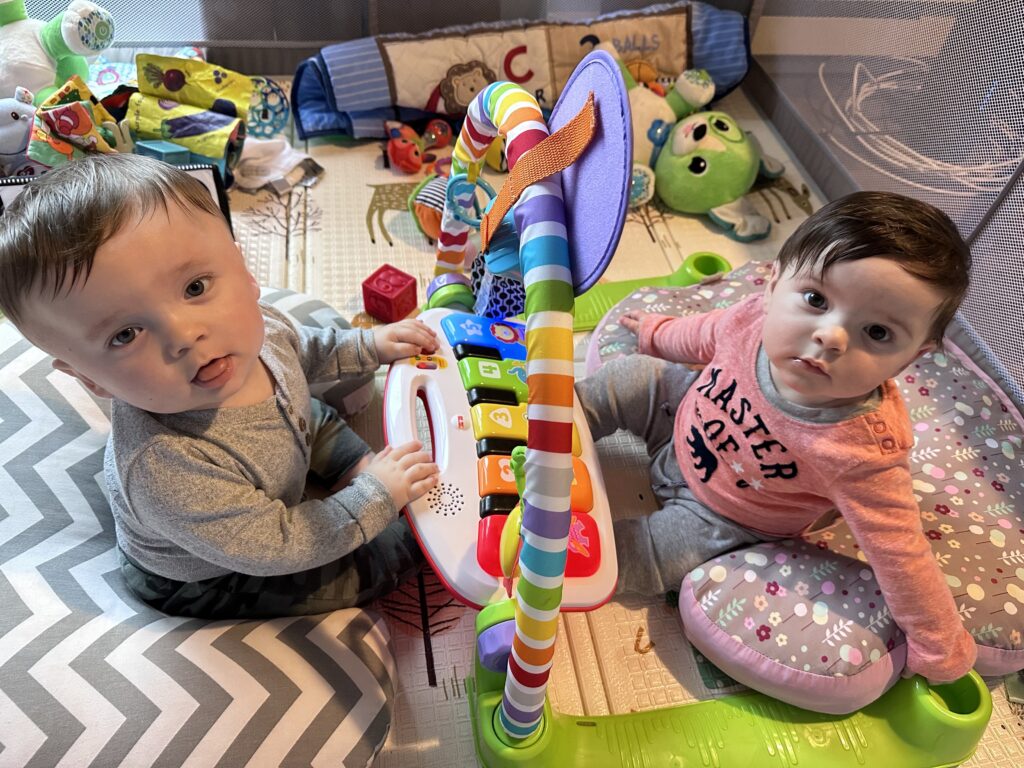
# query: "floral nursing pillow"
(804, 619)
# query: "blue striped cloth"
(721, 45)
(344, 90)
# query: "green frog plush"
(41, 56)
(707, 165)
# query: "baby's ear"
(88, 383)
(770, 283)
(252, 278)
(931, 346)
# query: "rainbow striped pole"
(505, 108)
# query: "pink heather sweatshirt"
(768, 470)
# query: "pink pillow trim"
(976, 369)
(996, 662)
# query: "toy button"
(427, 362)
(496, 445)
(507, 375)
(480, 395)
(505, 332)
(488, 536)
(498, 504)
(581, 493)
(473, 331)
(494, 475)
(584, 547)
(462, 327)
(502, 421)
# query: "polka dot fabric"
(805, 617)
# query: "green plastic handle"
(913, 725)
(595, 303)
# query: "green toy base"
(595, 303)
(913, 725)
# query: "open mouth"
(215, 373)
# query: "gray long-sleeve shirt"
(203, 493)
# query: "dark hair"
(50, 234)
(916, 235)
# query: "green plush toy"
(707, 166)
(696, 162)
(41, 56)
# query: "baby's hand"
(406, 471)
(403, 339)
(906, 673)
(631, 321)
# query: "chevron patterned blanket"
(89, 676)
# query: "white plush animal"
(16, 117)
(41, 56)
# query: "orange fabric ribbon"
(555, 153)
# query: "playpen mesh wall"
(921, 97)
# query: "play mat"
(629, 655)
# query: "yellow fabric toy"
(201, 106)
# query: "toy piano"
(474, 392)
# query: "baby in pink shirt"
(795, 413)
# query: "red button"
(488, 539)
(584, 547)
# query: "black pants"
(371, 570)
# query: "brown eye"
(815, 299)
(878, 332)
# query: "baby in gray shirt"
(124, 269)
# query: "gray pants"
(641, 394)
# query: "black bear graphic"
(706, 461)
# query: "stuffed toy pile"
(697, 162)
